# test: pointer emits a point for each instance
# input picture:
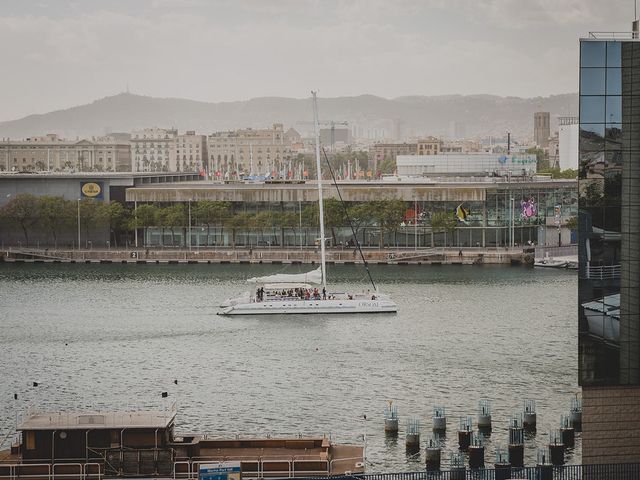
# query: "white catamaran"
(306, 293)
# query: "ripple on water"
(115, 336)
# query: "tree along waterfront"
(29, 220)
(52, 219)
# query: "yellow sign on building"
(91, 190)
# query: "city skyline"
(227, 51)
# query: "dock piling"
(439, 419)
(556, 447)
(464, 433)
(456, 466)
(544, 467)
(412, 439)
(484, 416)
(391, 419)
(576, 413)
(476, 451)
(502, 465)
(530, 417)
(433, 452)
(567, 432)
(516, 440)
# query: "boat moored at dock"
(79, 446)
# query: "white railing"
(49, 471)
(603, 272)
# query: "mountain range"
(473, 115)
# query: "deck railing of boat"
(52, 471)
(189, 468)
(185, 469)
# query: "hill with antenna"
(481, 115)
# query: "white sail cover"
(314, 276)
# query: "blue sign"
(221, 471)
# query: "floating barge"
(79, 446)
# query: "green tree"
(116, 217)
(23, 210)
(334, 216)
(90, 216)
(311, 215)
(173, 216)
(210, 213)
(56, 214)
(147, 215)
(444, 222)
(388, 215)
(361, 215)
(236, 222)
(387, 166)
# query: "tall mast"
(316, 128)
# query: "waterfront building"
(473, 164)
(51, 153)
(541, 128)
(190, 153)
(249, 151)
(539, 210)
(153, 149)
(609, 239)
(98, 186)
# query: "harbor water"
(114, 337)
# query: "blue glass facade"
(609, 217)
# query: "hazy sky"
(57, 53)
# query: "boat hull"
(306, 307)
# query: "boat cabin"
(129, 443)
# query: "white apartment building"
(250, 152)
(153, 149)
(190, 153)
(50, 153)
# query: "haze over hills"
(481, 115)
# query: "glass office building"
(609, 212)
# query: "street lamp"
(512, 223)
(189, 232)
(78, 224)
(135, 214)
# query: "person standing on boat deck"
(324, 293)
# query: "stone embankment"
(431, 256)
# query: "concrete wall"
(610, 424)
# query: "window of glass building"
(609, 222)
